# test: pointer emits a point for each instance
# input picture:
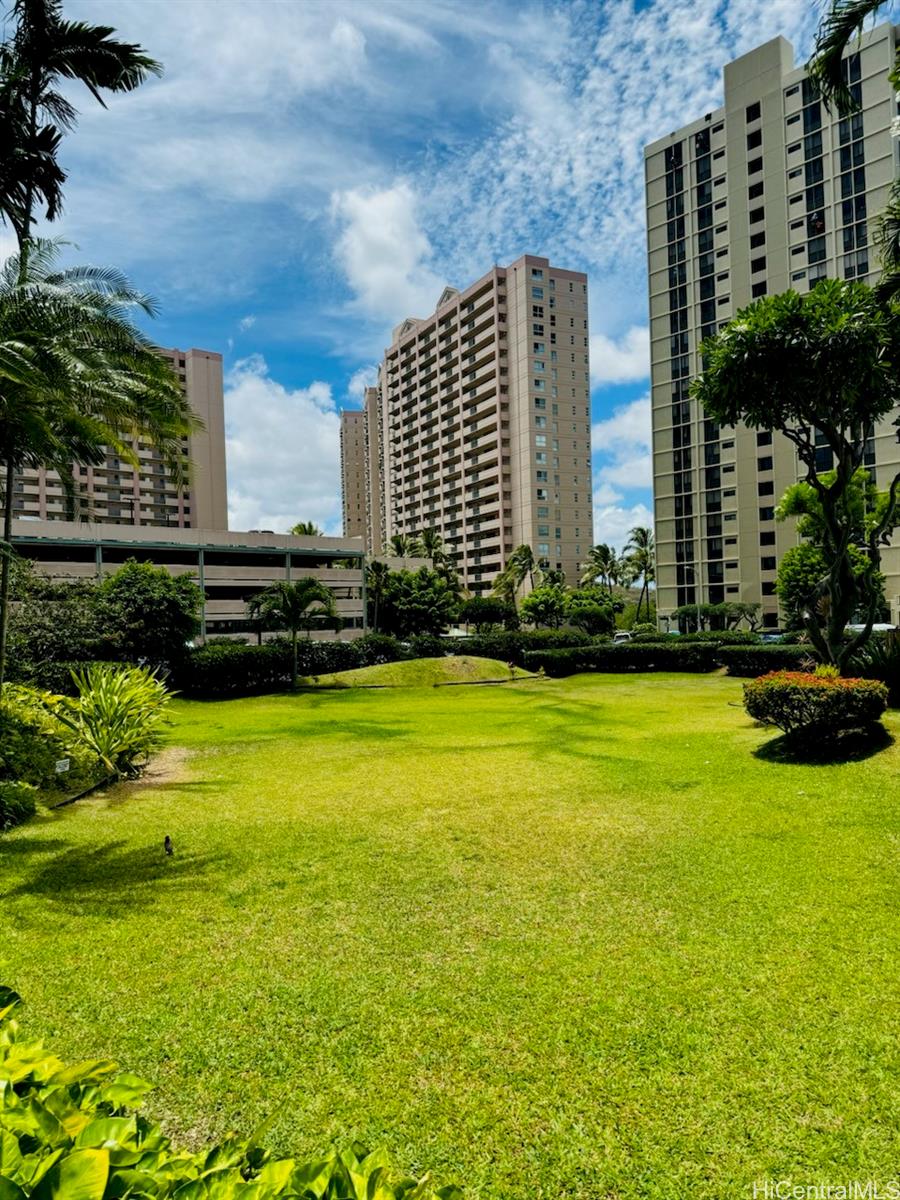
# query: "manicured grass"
(575, 938)
(424, 672)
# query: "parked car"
(623, 635)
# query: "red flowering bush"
(822, 703)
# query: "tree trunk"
(294, 656)
(6, 568)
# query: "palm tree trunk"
(294, 657)
(6, 568)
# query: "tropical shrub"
(802, 702)
(118, 715)
(33, 740)
(629, 656)
(881, 660)
(17, 803)
(751, 661)
(71, 1132)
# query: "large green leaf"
(10, 1154)
(10, 1190)
(81, 1175)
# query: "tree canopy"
(823, 369)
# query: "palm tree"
(77, 377)
(429, 544)
(601, 564)
(520, 565)
(306, 529)
(43, 49)
(294, 606)
(402, 545)
(377, 576)
(641, 555)
(844, 22)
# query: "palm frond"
(842, 23)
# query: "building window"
(754, 139)
(769, 563)
(758, 289)
(537, 293)
(764, 462)
(753, 112)
(756, 215)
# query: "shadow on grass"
(826, 750)
(111, 879)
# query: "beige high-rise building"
(353, 471)
(116, 493)
(481, 426)
(768, 192)
(374, 470)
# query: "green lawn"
(558, 939)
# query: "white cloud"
(365, 377)
(246, 323)
(283, 451)
(613, 522)
(620, 362)
(623, 464)
(384, 253)
(627, 429)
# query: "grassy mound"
(422, 672)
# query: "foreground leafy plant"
(118, 714)
(68, 1133)
(797, 701)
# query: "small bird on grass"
(168, 847)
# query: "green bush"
(33, 740)
(723, 637)
(880, 659)
(750, 661)
(800, 702)
(70, 1133)
(374, 649)
(17, 803)
(118, 715)
(513, 645)
(50, 676)
(426, 645)
(218, 672)
(625, 657)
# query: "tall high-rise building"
(353, 471)
(480, 426)
(374, 494)
(116, 492)
(769, 192)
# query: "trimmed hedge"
(799, 702)
(624, 657)
(514, 645)
(750, 661)
(235, 669)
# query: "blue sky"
(307, 174)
